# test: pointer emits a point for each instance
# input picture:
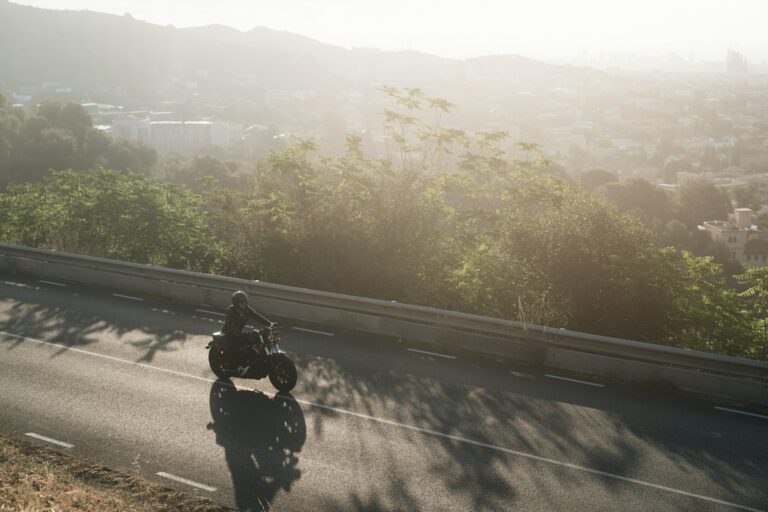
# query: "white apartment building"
(132, 129)
(185, 138)
(745, 243)
(179, 137)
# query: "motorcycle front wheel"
(216, 361)
(282, 372)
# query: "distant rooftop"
(179, 123)
(722, 225)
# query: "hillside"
(92, 50)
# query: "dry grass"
(38, 479)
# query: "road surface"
(373, 423)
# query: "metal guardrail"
(418, 315)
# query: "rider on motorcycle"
(238, 315)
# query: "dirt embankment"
(35, 478)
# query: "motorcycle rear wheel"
(282, 372)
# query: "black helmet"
(239, 298)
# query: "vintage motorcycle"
(259, 358)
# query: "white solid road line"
(742, 412)
(51, 282)
(49, 440)
(185, 481)
(533, 457)
(415, 429)
(210, 312)
(431, 353)
(103, 356)
(576, 381)
(127, 297)
(313, 332)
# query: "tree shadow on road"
(82, 321)
(623, 432)
(510, 421)
(261, 437)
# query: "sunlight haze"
(548, 29)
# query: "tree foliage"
(595, 178)
(110, 214)
(639, 197)
(709, 315)
(700, 200)
(448, 220)
(59, 136)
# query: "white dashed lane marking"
(127, 297)
(52, 283)
(164, 311)
(185, 481)
(576, 381)
(431, 353)
(313, 332)
(18, 285)
(521, 374)
(49, 440)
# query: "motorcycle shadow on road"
(262, 437)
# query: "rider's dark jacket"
(237, 318)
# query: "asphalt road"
(373, 423)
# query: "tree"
(711, 161)
(105, 213)
(679, 165)
(670, 170)
(640, 196)
(531, 242)
(528, 148)
(595, 178)
(664, 150)
(746, 197)
(707, 314)
(61, 136)
(448, 221)
(700, 200)
(131, 155)
(755, 295)
(95, 150)
(675, 234)
(414, 145)
(70, 117)
(202, 172)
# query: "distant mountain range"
(93, 50)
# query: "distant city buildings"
(648, 125)
(132, 129)
(184, 138)
(188, 138)
(735, 63)
(275, 98)
(745, 242)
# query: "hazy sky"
(703, 29)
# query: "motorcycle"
(260, 357)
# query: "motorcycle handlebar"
(270, 329)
